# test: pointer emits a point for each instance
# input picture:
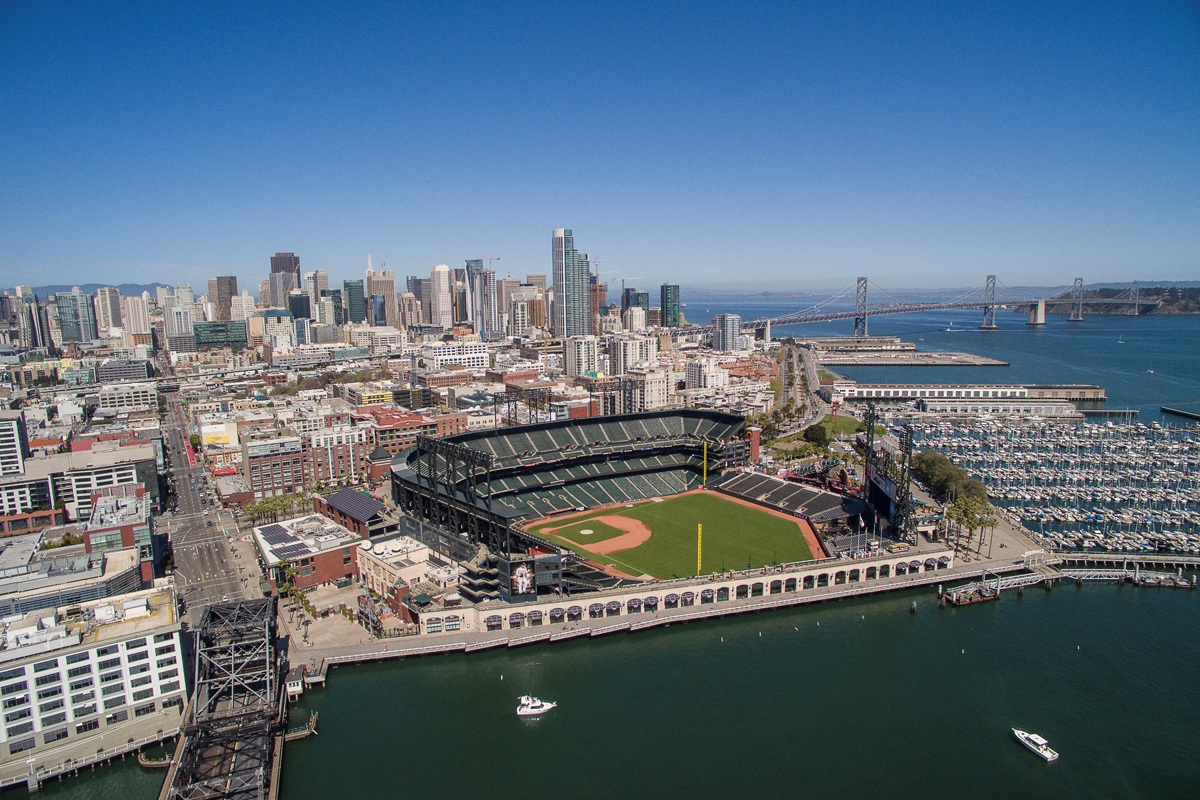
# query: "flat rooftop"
(301, 538)
(96, 621)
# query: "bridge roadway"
(914, 308)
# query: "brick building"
(319, 550)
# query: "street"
(211, 564)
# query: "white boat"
(531, 706)
(1035, 743)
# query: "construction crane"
(599, 261)
(624, 278)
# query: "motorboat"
(531, 707)
(1035, 743)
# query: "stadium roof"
(356, 505)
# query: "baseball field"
(658, 537)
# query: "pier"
(905, 359)
(1178, 412)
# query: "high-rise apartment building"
(14, 442)
(668, 302)
(727, 330)
(356, 303)
(221, 291)
(582, 355)
(108, 309)
(571, 303)
(441, 308)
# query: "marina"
(1105, 487)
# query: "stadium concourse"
(476, 488)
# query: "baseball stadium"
(591, 504)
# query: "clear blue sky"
(790, 145)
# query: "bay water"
(871, 702)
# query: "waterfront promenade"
(318, 659)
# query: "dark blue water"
(1157, 364)
(873, 703)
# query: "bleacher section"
(818, 506)
(558, 466)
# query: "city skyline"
(793, 148)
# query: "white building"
(634, 319)
(14, 442)
(728, 329)
(704, 372)
(440, 355)
(128, 395)
(625, 352)
(650, 388)
(582, 355)
(136, 313)
(103, 672)
(441, 308)
(242, 306)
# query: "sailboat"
(1121, 339)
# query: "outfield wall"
(795, 581)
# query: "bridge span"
(1076, 296)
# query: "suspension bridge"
(984, 298)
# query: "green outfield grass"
(734, 535)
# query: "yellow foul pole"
(699, 539)
(704, 481)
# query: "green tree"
(194, 440)
(817, 434)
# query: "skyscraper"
(339, 309)
(597, 300)
(441, 310)
(298, 304)
(727, 329)
(108, 309)
(221, 291)
(377, 310)
(76, 316)
(668, 301)
(356, 306)
(241, 307)
(136, 316)
(286, 262)
(483, 312)
(383, 282)
(281, 285)
(409, 310)
(314, 283)
(572, 315)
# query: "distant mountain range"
(126, 289)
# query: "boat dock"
(908, 359)
(1178, 412)
(990, 588)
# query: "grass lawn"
(734, 535)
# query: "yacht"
(531, 707)
(1035, 743)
